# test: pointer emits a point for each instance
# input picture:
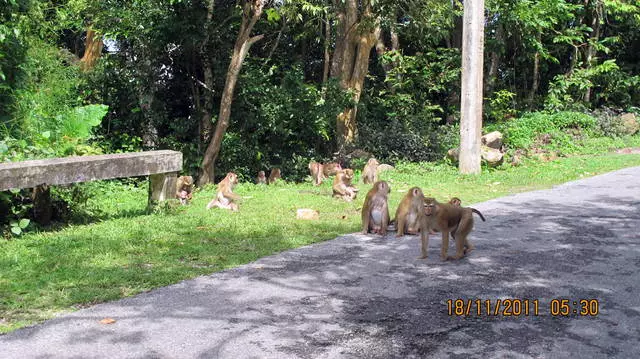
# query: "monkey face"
(232, 177)
(348, 173)
(383, 187)
(429, 206)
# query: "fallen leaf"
(107, 321)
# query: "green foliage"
(291, 123)
(608, 83)
(15, 206)
(502, 105)
(524, 131)
(18, 227)
(400, 118)
(609, 123)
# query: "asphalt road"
(370, 297)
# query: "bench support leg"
(162, 187)
(42, 210)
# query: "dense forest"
(249, 85)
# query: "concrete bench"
(162, 167)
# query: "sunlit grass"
(128, 251)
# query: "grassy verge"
(129, 252)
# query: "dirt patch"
(629, 150)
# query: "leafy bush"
(523, 131)
(291, 122)
(502, 105)
(609, 122)
(609, 86)
(401, 118)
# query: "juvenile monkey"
(446, 219)
(274, 176)
(225, 198)
(262, 179)
(370, 171)
(184, 189)
(375, 210)
(455, 201)
(317, 175)
(331, 169)
(342, 187)
(409, 211)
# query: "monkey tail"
(479, 214)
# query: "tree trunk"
(351, 63)
(252, 10)
(535, 77)
(92, 50)
(594, 38)
(327, 52)
(494, 65)
(206, 125)
(471, 104)
(381, 48)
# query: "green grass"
(128, 252)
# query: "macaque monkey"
(447, 218)
(225, 198)
(184, 189)
(331, 169)
(262, 179)
(315, 169)
(375, 210)
(342, 187)
(370, 171)
(274, 176)
(455, 201)
(409, 212)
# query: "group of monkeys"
(416, 214)
(419, 214)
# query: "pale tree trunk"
(92, 50)
(252, 10)
(351, 62)
(471, 103)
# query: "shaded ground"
(366, 296)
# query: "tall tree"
(471, 104)
(251, 12)
(357, 32)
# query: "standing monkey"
(409, 212)
(370, 171)
(342, 187)
(317, 174)
(184, 189)
(262, 179)
(375, 209)
(274, 176)
(447, 219)
(225, 197)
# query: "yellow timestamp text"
(514, 307)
